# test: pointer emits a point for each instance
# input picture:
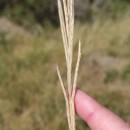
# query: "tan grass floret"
(66, 15)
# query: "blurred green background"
(31, 47)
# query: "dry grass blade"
(66, 15)
(76, 70)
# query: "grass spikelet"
(66, 15)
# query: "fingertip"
(97, 116)
(85, 106)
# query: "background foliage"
(31, 46)
(28, 12)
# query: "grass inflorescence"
(66, 15)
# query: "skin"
(97, 116)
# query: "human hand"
(97, 116)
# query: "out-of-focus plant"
(29, 12)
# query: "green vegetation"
(125, 74)
(31, 12)
(30, 93)
(28, 76)
(111, 76)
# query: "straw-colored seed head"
(66, 15)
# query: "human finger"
(97, 116)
